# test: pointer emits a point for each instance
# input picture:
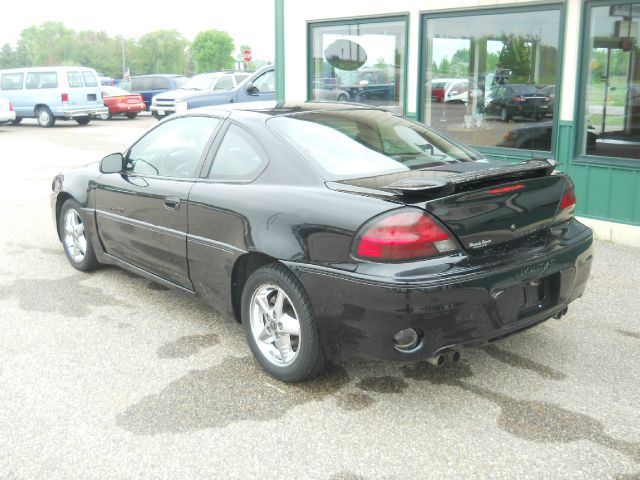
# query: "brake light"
(568, 198)
(10, 107)
(510, 188)
(65, 98)
(403, 235)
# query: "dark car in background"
(518, 100)
(388, 240)
(150, 85)
(214, 83)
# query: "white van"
(50, 93)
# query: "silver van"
(51, 93)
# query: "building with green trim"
(515, 79)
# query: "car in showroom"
(121, 102)
(332, 229)
(7, 113)
(232, 88)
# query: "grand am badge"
(480, 244)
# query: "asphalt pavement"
(109, 376)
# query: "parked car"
(371, 85)
(517, 100)
(7, 114)
(121, 102)
(105, 80)
(536, 136)
(53, 93)
(388, 241)
(150, 85)
(440, 87)
(164, 104)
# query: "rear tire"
(45, 117)
(342, 98)
(279, 325)
(131, 115)
(16, 121)
(105, 116)
(83, 120)
(75, 239)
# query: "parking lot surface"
(107, 375)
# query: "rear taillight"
(568, 198)
(65, 98)
(403, 235)
(102, 94)
(10, 107)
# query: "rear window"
(525, 89)
(141, 84)
(160, 83)
(75, 79)
(361, 143)
(36, 80)
(11, 81)
(90, 79)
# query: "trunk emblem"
(513, 227)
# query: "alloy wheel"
(75, 240)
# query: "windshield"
(362, 143)
(200, 82)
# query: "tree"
(516, 56)
(49, 44)
(162, 51)
(211, 51)
(444, 66)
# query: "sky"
(248, 21)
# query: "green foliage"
(444, 67)
(212, 51)
(162, 51)
(516, 56)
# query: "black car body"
(518, 100)
(403, 263)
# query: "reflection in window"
(612, 110)
(359, 62)
(490, 79)
(239, 157)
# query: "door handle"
(171, 203)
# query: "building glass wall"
(491, 77)
(610, 125)
(359, 61)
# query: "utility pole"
(124, 68)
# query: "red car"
(121, 102)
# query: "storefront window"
(612, 110)
(490, 79)
(360, 62)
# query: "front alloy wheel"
(75, 239)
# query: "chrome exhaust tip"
(436, 360)
(453, 356)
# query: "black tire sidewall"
(89, 262)
(52, 119)
(310, 360)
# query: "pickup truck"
(257, 87)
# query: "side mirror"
(113, 163)
(251, 89)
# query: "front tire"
(45, 117)
(105, 116)
(75, 239)
(279, 325)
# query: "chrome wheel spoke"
(283, 344)
(279, 301)
(263, 303)
(288, 325)
(265, 336)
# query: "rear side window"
(37, 80)
(89, 79)
(239, 157)
(224, 83)
(75, 79)
(160, 83)
(141, 84)
(11, 81)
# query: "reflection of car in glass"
(388, 241)
(536, 136)
(150, 85)
(549, 91)
(370, 85)
(259, 86)
(517, 100)
(7, 114)
(330, 94)
(164, 104)
(121, 102)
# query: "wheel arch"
(243, 267)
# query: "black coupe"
(329, 229)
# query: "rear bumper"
(359, 315)
(7, 116)
(80, 112)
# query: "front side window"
(90, 79)
(75, 79)
(611, 98)
(488, 78)
(141, 84)
(11, 81)
(224, 83)
(361, 62)
(266, 83)
(36, 80)
(239, 156)
(173, 149)
(160, 83)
